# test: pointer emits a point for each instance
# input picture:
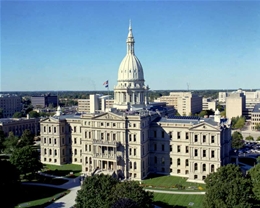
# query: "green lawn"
(37, 196)
(178, 200)
(63, 170)
(170, 182)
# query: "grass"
(63, 170)
(171, 183)
(38, 196)
(178, 200)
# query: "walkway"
(68, 200)
(176, 192)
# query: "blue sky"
(77, 45)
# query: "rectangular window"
(178, 135)
(187, 135)
(134, 151)
(44, 128)
(102, 136)
(75, 140)
(178, 148)
(162, 147)
(204, 153)
(196, 138)
(212, 139)
(154, 134)
(195, 152)
(212, 154)
(134, 137)
(89, 147)
(155, 147)
(187, 149)
(45, 140)
(101, 124)
(204, 138)
(170, 148)
(162, 134)
(114, 124)
(49, 140)
(170, 134)
(130, 151)
(89, 135)
(108, 136)
(49, 129)
(114, 137)
(75, 128)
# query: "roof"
(256, 108)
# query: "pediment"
(108, 116)
(204, 127)
(49, 120)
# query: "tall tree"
(96, 191)
(134, 193)
(237, 140)
(228, 188)
(26, 160)
(10, 143)
(255, 177)
(26, 138)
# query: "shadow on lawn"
(58, 204)
(153, 175)
(65, 173)
(165, 205)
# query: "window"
(55, 152)
(204, 153)
(49, 129)
(49, 140)
(44, 140)
(170, 148)
(163, 169)
(134, 151)
(186, 172)
(187, 135)
(130, 151)
(187, 149)
(178, 135)
(162, 147)
(178, 161)
(155, 160)
(75, 151)
(85, 134)
(62, 129)
(54, 129)
(50, 152)
(212, 154)
(204, 138)
(131, 165)
(204, 167)
(212, 139)
(75, 140)
(89, 135)
(178, 148)
(108, 136)
(63, 152)
(114, 124)
(196, 138)
(186, 162)
(170, 134)
(114, 137)
(155, 147)
(55, 141)
(75, 128)
(101, 124)
(44, 128)
(203, 177)
(163, 161)
(45, 151)
(130, 137)
(89, 148)
(195, 176)
(170, 161)
(162, 134)
(212, 168)
(102, 136)
(195, 152)
(154, 134)
(107, 124)
(178, 171)
(135, 165)
(195, 166)
(134, 137)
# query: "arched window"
(212, 168)
(55, 152)
(187, 162)
(50, 152)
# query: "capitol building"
(134, 137)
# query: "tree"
(10, 143)
(2, 140)
(34, 114)
(257, 126)
(17, 115)
(106, 192)
(238, 122)
(26, 138)
(255, 177)
(26, 160)
(9, 183)
(237, 140)
(96, 191)
(250, 138)
(130, 191)
(228, 188)
(223, 113)
(258, 138)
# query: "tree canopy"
(26, 160)
(255, 177)
(257, 126)
(250, 138)
(105, 192)
(228, 188)
(237, 140)
(34, 114)
(26, 139)
(238, 122)
(17, 115)
(10, 143)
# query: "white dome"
(130, 69)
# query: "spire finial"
(130, 24)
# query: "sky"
(78, 45)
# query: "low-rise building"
(10, 104)
(255, 116)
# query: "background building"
(235, 104)
(44, 101)
(208, 104)
(9, 104)
(186, 103)
(255, 116)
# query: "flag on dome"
(106, 83)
